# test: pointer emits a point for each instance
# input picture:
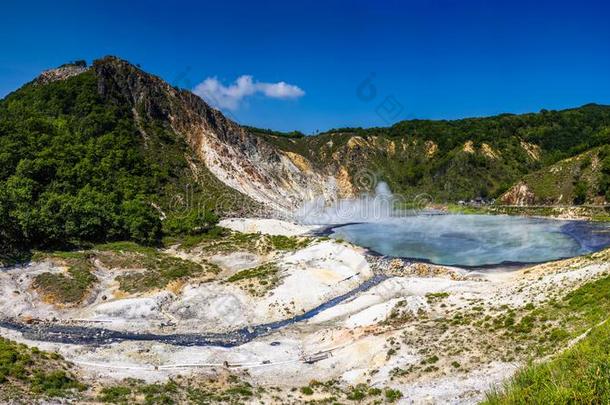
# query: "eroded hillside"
(581, 179)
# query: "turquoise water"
(477, 240)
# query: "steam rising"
(368, 208)
(379, 221)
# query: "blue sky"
(423, 59)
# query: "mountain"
(108, 151)
(87, 154)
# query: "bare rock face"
(279, 179)
(519, 194)
(62, 73)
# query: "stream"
(100, 336)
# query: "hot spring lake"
(477, 240)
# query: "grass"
(146, 269)
(580, 375)
(281, 242)
(481, 332)
(593, 213)
(465, 209)
(222, 240)
(540, 330)
(115, 394)
(70, 288)
(601, 217)
(30, 372)
(160, 270)
(28, 375)
(359, 393)
(258, 280)
(392, 395)
(259, 272)
(436, 297)
(151, 269)
(564, 318)
(133, 391)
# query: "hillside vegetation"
(78, 166)
(461, 159)
(111, 153)
(584, 178)
(28, 375)
(579, 375)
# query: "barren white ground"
(349, 342)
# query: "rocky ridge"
(243, 161)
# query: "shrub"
(392, 395)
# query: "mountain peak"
(117, 62)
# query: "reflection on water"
(477, 240)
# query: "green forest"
(74, 169)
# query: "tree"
(580, 192)
(141, 221)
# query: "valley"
(418, 330)
(154, 251)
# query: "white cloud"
(230, 97)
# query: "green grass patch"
(132, 391)
(436, 297)
(70, 288)
(29, 372)
(115, 394)
(392, 395)
(580, 375)
(145, 267)
(544, 328)
(466, 209)
(281, 242)
(222, 240)
(257, 281)
(68, 255)
(160, 270)
(261, 272)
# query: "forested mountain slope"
(108, 152)
(459, 159)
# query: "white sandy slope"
(308, 278)
(266, 226)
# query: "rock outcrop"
(519, 194)
(61, 73)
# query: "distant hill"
(461, 159)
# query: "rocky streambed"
(82, 335)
